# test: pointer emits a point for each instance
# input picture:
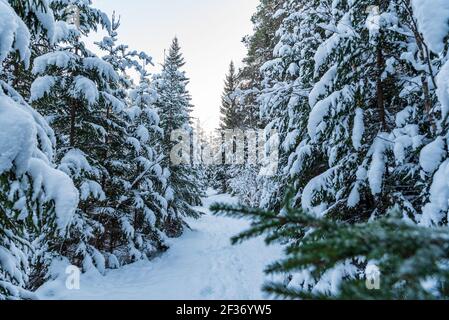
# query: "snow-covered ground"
(201, 265)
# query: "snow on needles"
(433, 21)
(13, 34)
(432, 155)
(58, 187)
(60, 59)
(85, 88)
(19, 152)
(435, 211)
(41, 86)
(102, 67)
(17, 137)
(377, 168)
(359, 129)
(25, 138)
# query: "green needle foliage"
(413, 260)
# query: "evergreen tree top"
(231, 78)
(230, 118)
(174, 57)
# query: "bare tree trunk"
(73, 110)
(379, 86)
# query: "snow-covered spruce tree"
(287, 81)
(230, 119)
(36, 201)
(173, 106)
(354, 102)
(198, 138)
(309, 68)
(145, 202)
(135, 179)
(245, 184)
(380, 95)
(260, 46)
(230, 116)
(75, 89)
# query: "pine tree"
(230, 120)
(337, 154)
(36, 201)
(260, 47)
(230, 117)
(426, 110)
(174, 105)
(75, 89)
(213, 160)
(147, 206)
(287, 79)
(372, 148)
(133, 205)
(329, 151)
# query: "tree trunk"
(379, 86)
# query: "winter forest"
(327, 178)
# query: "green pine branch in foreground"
(413, 260)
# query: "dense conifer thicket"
(358, 91)
(84, 175)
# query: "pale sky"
(210, 34)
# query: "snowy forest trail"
(201, 265)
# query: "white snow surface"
(432, 155)
(17, 138)
(443, 89)
(378, 165)
(85, 88)
(433, 21)
(13, 34)
(60, 59)
(359, 129)
(58, 187)
(201, 265)
(42, 86)
(322, 85)
(436, 210)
